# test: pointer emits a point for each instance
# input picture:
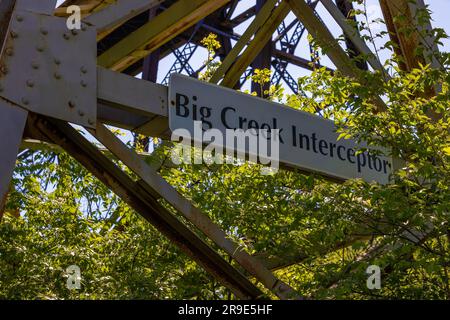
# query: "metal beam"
(262, 61)
(347, 9)
(405, 31)
(144, 111)
(328, 43)
(12, 124)
(398, 17)
(130, 93)
(164, 27)
(41, 6)
(143, 202)
(324, 37)
(151, 62)
(256, 24)
(160, 188)
(298, 61)
(409, 34)
(149, 73)
(431, 49)
(242, 17)
(87, 7)
(261, 38)
(6, 9)
(117, 13)
(352, 34)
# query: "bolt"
(172, 102)
(40, 48)
(83, 69)
(35, 65)
(66, 36)
(83, 83)
(13, 34)
(74, 32)
(81, 113)
(30, 83)
(44, 31)
(71, 104)
(57, 61)
(25, 101)
(57, 75)
(19, 18)
(9, 51)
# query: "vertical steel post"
(149, 73)
(12, 124)
(263, 60)
(346, 7)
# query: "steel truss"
(44, 87)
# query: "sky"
(440, 16)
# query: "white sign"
(306, 141)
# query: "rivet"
(4, 69)
(19, 18)
(66, 36)
(44, 31)
(83, 83)
(172, 102)
(9, 51)
(30, 83)
(25, 101)
(40, 48)
(83, 69)
(57, 61)
(81, 113)
(35, 65)
(91, 122)
(13, 34)
(71, 104)
(83, 27)
(57, 75)
(74, 32)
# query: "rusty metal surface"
(143, 202)
(49, 70)
(141, 196)
(156, 185)
(12, 123)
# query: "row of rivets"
(35, 65)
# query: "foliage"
(211, 44)
(320, 236)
